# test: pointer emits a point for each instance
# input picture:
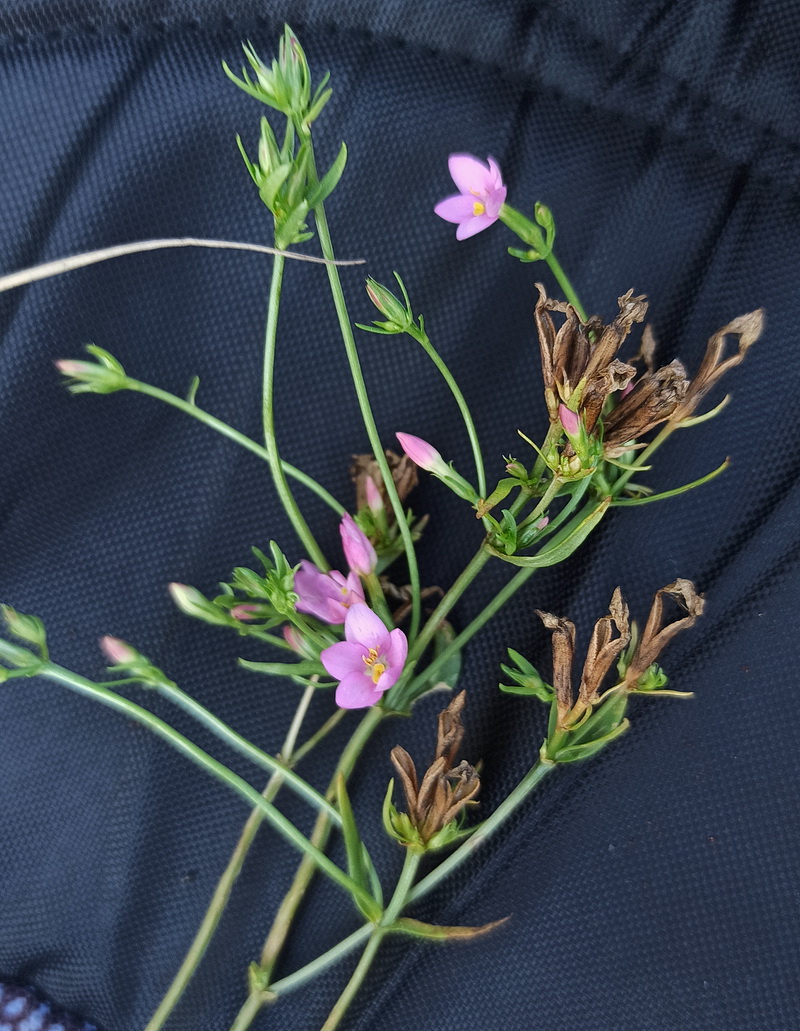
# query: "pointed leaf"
(437, 932)
(575, 753)
(677, 490)
(329, 181)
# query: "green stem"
(531, 780)
(241, 745)
(642, 458)
(225, 884)
(423, 339)
(569, 291)
(268, 414)
(466, 635)
(366, 411)
(393, 910)
(239, 438)
(281, 924)
(315, 738)
(278, 821)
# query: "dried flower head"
(652, 400)
(658, 633)
(604, 649)
(579, 360)
(434, 803)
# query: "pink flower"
(358, 551)
(423, 454)
(327, 596)
(368, 662)
(481, 195)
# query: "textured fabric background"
(654, 889)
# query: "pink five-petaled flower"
(327, 596)
(479, 200)
(368, 662)
(357, 549)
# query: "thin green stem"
(423, 340)
(279, 822)
(225, 884)
(448, 600)
(466, 635)
(367, 416)
(393, 910)
(569, 291)
(491, 824)
(287, 499)
(642, 458)
(189, 408)
(244, 747)
(315, 738)
(282, 922)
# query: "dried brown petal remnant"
(652, 401)
(582, 356)
(658, 633)
(604, 649)
(748, 329)
(404, 474)
(445, 789)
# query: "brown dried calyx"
(445, 789)
(658, 633)
(404, 474)
(579, 360)
(604, 649)
(652, 401)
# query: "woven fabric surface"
(653, 889)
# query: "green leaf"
(447, 676)
(358, 861)
(501, 491)
(329, 181)
(304, 668)
(575, 753)
(438, 932)
(563, 545)
(677, 490)
(605, 719)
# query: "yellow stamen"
(370, 661)
(478, 208)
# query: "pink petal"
(496, 175)
(343, 659)
(357, 692)
(397, 651)
(388, 678)
(363, 627)
(456, 208)
(494, 201)
(354, 589)
(475, 225)
(469, 174)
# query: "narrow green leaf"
(193, 387)
(354, 846)
(606, 718)
(559, 549)
(304, 668)
(677, 490)
(575, 753)
(329, 181)
(438, 932)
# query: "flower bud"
(27, 628)
(423, 454)
(569, 420)
(117, 651)
(358, 550)
(374, 499)
(192, 603)
(244, 612)
(101, 377)
(398, 316)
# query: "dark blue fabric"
(654, 889)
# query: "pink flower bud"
(69, 367)
(569, 420)
(244, 612)
(422, 453)
(543, 522)
(117, 651)
(358, 551)
(293, 639)
(374, 499)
